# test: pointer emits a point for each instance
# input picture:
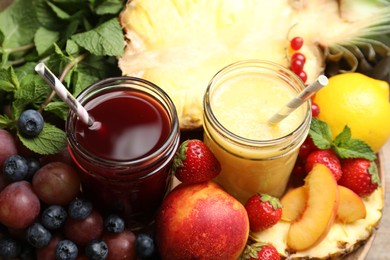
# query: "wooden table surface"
(380, 249)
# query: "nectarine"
(201, 221)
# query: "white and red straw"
(63, 93)
(302, 97)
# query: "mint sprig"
(343, 144)
(78, 40)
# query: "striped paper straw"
(63, 93)
(309, 91)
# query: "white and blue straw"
(307, 93)
(63, 93)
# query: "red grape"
(56, 183)
(19, 205)
(49, 251)
(8, 146)
(81, 231)
(120, 245)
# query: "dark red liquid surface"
(132, 126)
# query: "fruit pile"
(44, 215)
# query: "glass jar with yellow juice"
(255, 156)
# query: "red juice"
(133, 125)
(125, 165)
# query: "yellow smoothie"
(255, 156)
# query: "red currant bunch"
(298, 60)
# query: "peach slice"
(294, 203)
(351, 206)
(320, 211)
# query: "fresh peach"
(201, 221)
(351, 206)
(320, 211)
(293, 203)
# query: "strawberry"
(327, 158)
(194, 162)
(360, 175)
(260, 251)
(263, 210)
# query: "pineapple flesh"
(180, 44)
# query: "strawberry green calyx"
(373, 171)
(180, 156)
(252, 250)
(275, 202)
(343, 144)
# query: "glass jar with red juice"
(125, 163)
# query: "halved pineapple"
(340, 240)
(181, 44)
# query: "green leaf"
(104, 40)
(5, 121)
(50, 141)
(44, 39)
(18, 24)
(320, 134)
(59, 12)
(8, 80)
(109, 7)
(354, 148)
(343, 137)
(59, 108)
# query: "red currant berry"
(298, 56)
(315, 110)
(296, 66)
(302, 75)
(306, 148)
(299, 168)
(296, 43)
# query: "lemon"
(360, 102)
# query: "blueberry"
(96, 250)
(66, 250)
(114, 224)
(9, 248)
(33, 166)
(144, 245)
(38, 236)
(79, 208)
(30, 123)
(53, 217)
(15, 168)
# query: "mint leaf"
(18, 24)
(343, 137)
(50, 141)
(44, 39)
(59, 108)
(109, 7)
(320, 134)
(5, 121)
(8, 80)
(354, 148)
(104, 40)
(59, 12)
(347, 147)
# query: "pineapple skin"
(181, 44)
